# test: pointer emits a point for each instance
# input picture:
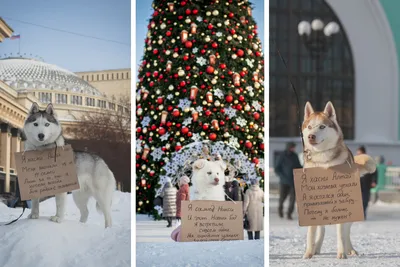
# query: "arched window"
(334, 80)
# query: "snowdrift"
(31, 243)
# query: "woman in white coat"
(253, 208)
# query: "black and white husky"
(43, 131)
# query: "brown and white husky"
(324, 147)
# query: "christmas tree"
(201, 79)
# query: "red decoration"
(236, 79)
(185, 130)
(205, 127)
(210, 26)
(195, 115)
(210, 69)
(188, 44)
(222, 66)
(176, 113)
(193, 28)
(169, 66)
(248, 144)
(168, 33)
(256, 115)
(193, 92)
(155, 51)
(188, 11)
(160, 100)
(241, 98)
(214, 45)
(209, 97)
(213, 136)
(240, 53)
(230, 15)
(208, 113)
(195, 11)
(184, 36)
(229, 98)
(212, 59)
(186, 57)
(161, 131)
(182, 83)
(215, 125)
(178, 147)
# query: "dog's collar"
(307, 153)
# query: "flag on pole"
(15, 36)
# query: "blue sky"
(144, 12)
(109, 19)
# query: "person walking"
(367, 181)
(284, 166)
(253, 208)
(182, 195)
(169, 202)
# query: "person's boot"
(250, 235)
(257, 235)
(280, 212)
(289, 217)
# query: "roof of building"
(31, 74)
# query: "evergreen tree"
(201, 78)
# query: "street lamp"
(317, 38)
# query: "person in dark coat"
(284, 166)
(237, 192)
(169, 202)
(367, 182)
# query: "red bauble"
(205, 127)
(195, 11)
(188, 11)
(229, 98)
(155, 51)
(155, 74)
(262, 146)
(177, 148)
(222, 66)
(210, 26)
(258, 54)
(222, 123)
(256, 115)
(139, 130)
(182, 83)
(151, 84)
(176, 113)
(213, 136)
(239, 107)
(242, 74)
(248, 144)
(186, 57)
(255, 160)
(169, 124)
(188, 44)
(160, 100)
(241, 98)
(208, 113)
(153, 127)
(161, 131)
(185, 130)
(210, 69)
(230, 15)
(203, 51)
(232, 31)
(170, 108)
(183, 3)
(188, 67)
(148, 74)
(214, 45)
(168, 33)
(240, 53)
(189, 134)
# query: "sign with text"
(207, 220)
(47, 172)
(328, 196)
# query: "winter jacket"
(183, 194)
(169, 200)
(253, 207)
(284, 166)
(237, 193)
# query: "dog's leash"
(23, 210)
(305, 151)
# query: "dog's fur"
(208, 180)
(43, 131)
(324, 146)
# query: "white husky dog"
(43, 131)
(325, 146)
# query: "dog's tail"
(366, 164)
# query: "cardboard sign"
(206, 220)
(46, 172)
(328, 196)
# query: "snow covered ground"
(377, 240)
(34, 243)
(155, 248)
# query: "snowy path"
(31, 243)
(155, 248)
(377, 240)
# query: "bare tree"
(107, 133)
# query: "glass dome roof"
(29, 74)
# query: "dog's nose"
(311, 137)
(216, 180)
(41, 136)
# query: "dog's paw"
(341, 255)
(308, 255)
(33, 216)
(352, 253)
(56, 219)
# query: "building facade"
(24, 81)
(360, 73)
(112, 83)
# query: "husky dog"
(324, 147)
(43, 131)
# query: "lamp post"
(317, 38)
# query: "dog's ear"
(222, 164)
(34, 108)
(330, 111)
(308, 110)
(199, 164)
(50, 109)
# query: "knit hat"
(184, 180)
(254, 182)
